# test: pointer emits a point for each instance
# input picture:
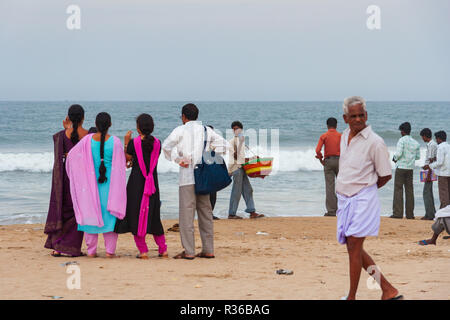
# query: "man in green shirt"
(408, 151)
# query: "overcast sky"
(224, 50)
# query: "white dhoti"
(359, 215)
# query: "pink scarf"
(149, 187)
(84, 188)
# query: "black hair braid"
(103, 122)
(76, 115)
(146, 125)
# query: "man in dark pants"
(408, 151)
(331, 140)
(428, 198)
(213, 196)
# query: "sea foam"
(286, 160)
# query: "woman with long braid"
(61, 226)
(96, 168)
(143, 202)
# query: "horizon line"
(163, 100)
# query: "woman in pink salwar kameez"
(143, 202)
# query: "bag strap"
(206, 137)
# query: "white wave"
(285, 160)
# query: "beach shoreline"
(244, 268)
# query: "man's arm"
(319, 148)
(399, 151)
(218, 143)
(418, 152)
(382, 164)
(169, 145)
(439, 159)
(383, 180)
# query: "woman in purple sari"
(61, 226)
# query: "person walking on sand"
(241, 182)
(408, 151)
(428, 198)
(185, 145)
(143, 201)
(442, 168)
(364, 167)
(331, 140)
(61, 226)
(96, 169)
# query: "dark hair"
(76, 115)
(405, 127)
(92, 130)
(145, 124)
(332, 122)
(190, 111)
(237, 123)
(102, 122)
(208, 125)
(426, 133)
(441, 135)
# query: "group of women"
(90, 194)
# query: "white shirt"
(431, 151)
(441, 166)
(186, 142)
(362, 161)
(236, 144)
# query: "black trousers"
(213, 198)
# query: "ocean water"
(296, 188)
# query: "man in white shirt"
(185, 146)
(442, 168)
(364, 167)
(428, 198)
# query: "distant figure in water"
(61, 226)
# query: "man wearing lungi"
(364, 167)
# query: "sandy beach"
(244, 267)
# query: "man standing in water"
(364, 166)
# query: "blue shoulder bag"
(211, 175)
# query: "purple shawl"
(83, 183)
(54, 217)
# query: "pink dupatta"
(83, 183)
(149, 187)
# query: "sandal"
(425, 243)
(174, 228)
(255, 215)
(400, 297)
(164, 255)
(204, 255)
(183, 255)
(139, 256)
(56, 254)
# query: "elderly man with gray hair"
(364, 167)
